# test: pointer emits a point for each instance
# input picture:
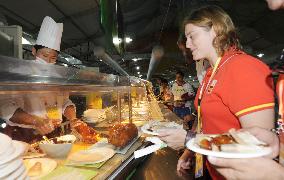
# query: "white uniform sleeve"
(67, 102)
(8, 107)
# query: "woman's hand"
(173, 137)
(188, 118)
(252, 168)
(184, 162)
(266, 136)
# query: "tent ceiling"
(261, 30)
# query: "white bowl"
(56, 150)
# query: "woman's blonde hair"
(216, 18)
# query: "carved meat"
(122, 134)
(87, 133)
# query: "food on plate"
(122, 134)
(153, 126)
(35, 170)
(86, 133)
(85, 157)
(233, 141)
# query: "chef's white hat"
(50, 34)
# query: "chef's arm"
(70, 112)
(23, 118)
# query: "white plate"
(91, 156)
(8, 168)
(47, 165)
(31, 155)
(21, 170)
(164, 125)
(18, 149)
(194, 147)
(5, 143)
(145, 129)
(23, 176)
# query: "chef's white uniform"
(34, 104)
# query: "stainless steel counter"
(162, 164)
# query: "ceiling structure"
(147, 23)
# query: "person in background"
(165, 94)
(183, 95)
(227, 97)
(159, 87)
(201, 68)
(41, 112)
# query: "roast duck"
(87, 134)
(122, 134)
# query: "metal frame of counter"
(158, 165)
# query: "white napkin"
(158, 144)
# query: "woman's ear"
(212, 32)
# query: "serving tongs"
(47, 140)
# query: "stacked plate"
(11, 163)
(94, 115)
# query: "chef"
(32, 115)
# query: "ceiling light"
(101, 60)
(128, 39)
(136, 59)
(260, 55)
(138, 72)
(137, 67)
(116, 40)
(25, 41)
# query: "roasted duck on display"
(86, 133)
(122, 134)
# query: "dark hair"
(164, 81)
(38, 47)
(180, 73)
(214, 17)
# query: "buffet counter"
(162, 164)
(158, 165)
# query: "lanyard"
(202, 90)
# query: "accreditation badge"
(198, 165)
(211, 86)
(53, 112)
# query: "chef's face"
(200, 41)
(47, 54)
